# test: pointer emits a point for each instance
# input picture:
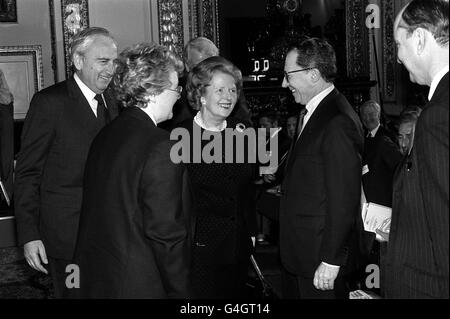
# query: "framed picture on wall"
(22, 68)
(8, 11)
(75, 17)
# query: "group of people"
(96, 185)
(97, 188)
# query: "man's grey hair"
(83, 39)
(431, 15)
(371, 103)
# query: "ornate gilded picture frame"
(23, 70)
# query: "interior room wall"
(128, 20)
(32, 28)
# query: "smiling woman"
(223, 190)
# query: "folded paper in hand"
(376, 216)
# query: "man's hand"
(381, 236)
(34, 252)
(269, 178)
(324, 276)
(382, 232)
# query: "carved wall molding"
(204, 19)
(170, 18)
(389, 59)
(193, 18)
(201, 20)
(357, 42)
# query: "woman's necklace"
(200, 122)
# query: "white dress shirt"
(437, 78)
(314, 102)
(374, 131)
(88, 94)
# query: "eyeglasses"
(178, 90)
(286, 74)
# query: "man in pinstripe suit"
(418, 248)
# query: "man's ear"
(78, 61)
(420, 37)
(315, 75)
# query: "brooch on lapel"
(240, 127)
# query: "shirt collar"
(87, 92)
(315, 101)
(374, 131)
(437, 78)
(148, 110)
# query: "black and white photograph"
(232, 158)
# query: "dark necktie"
(300, 119)
(102, 112)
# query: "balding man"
(418, 248)
(322, 184)
(380, 158)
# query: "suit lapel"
(111, 103)
(82, 109)
(441, 91)
(317, 120)
(137, 113)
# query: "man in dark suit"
(322, 184)
(418, 247)
(59, 127)
(381, 155)
(135, 235)
(406, 128)
(380, 159)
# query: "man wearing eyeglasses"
(321, 188)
